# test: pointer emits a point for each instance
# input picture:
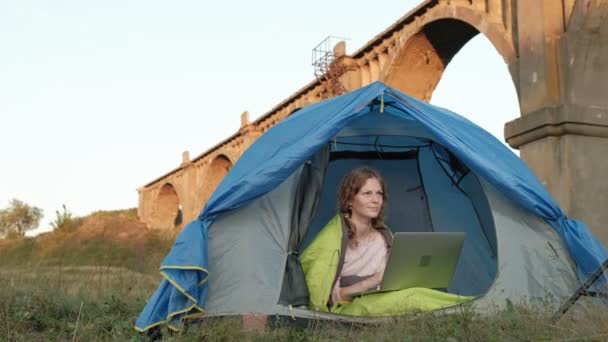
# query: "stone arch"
(417, 63)
(218, 168)
(168, 209)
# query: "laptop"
(421, 259)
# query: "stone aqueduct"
(557, 55)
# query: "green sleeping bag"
(320, 263)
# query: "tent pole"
(583, 291)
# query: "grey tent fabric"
(533, 262)
(306, 200)
(248, 250)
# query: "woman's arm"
(346, 293)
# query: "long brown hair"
(351, 184)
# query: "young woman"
(349, 255)
(361, 200)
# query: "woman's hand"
(373, 281)
(366, 284)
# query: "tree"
(18, 218)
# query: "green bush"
(64, 221)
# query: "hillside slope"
(104, 238)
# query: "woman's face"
(367, 203)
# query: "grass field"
(86, 303)
(91, 284)
(91, 303)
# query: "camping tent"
(443, 173)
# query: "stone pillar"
(563, 89)
(188, 205)
(351, 79)
(339, 49)
(145, 210)
(185, 158)
(249, 132)
(494, 7)
(382, 57)
(374, 68)
(141, 212)
(365, 74)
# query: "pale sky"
(98, 98)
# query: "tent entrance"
(428, 190)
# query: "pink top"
(362, 261)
